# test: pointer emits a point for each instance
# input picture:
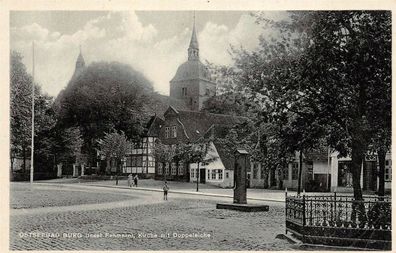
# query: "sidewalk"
(182, 188)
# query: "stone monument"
(242, 162)
(240, 175)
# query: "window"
(220, 174)
(262, 172)
(166, 132)
(173, 168)
(309, 170)
(295, 171)
(388, 170)
(139, 161)
(166, 168)
(208, 174)
(192, 173)
(227, 175)
(184, 91)
(129, 161)
(180, 168)
(136, 161)
(174, 133)
(213, 174)
(159, 168)
(255, 171)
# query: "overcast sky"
(154, 43)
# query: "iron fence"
(339, 217)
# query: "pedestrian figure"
(130, 180)
(166, 189)
(135, 179)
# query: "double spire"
(80, 59)
(193, 49)
(80, 64)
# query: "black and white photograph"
(199, 129)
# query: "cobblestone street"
(121, 219)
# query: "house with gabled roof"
(182, 126)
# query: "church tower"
(192, 82)
(193, 49)
(80, 64)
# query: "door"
(202, 176)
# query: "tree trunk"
(117, 164)
(12, 168)
(24, 159)
(164, 170)
(272, 177)
(381, 173)
(198, 172)
(356, 167)
(265, 179)
(300, 173)
(358, 209)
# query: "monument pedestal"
(243, 207)
(240, 178)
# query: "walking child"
(166, 189)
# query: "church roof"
(194, 40)
(196, 124)
(191, 70)
(160, 103)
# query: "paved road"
(123, 219)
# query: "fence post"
(335, 206)
(286, 210)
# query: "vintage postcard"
(196, 125)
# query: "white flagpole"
(32, 149)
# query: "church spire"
(80, 59)
(80, 63)
(193, 49)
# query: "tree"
(45, 141)
(21, 118)
(70, 143)
(104, 96)
(318, 79)
(236, 98)
(163, 154)
(349, 53)
(20, 107)
(197, 152)
(114, 146)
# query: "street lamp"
(32, 146)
